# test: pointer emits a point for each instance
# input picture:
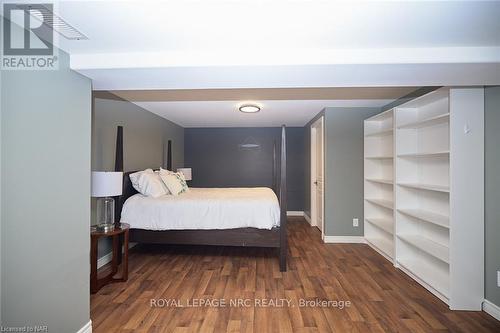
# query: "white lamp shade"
(186, 172)
(107, 184)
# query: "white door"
(317, 174)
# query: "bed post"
(169, 155)
(275, 176)
(119, 149)
(118, 200)
(282, 195)
(118, 167)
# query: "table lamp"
(106, 185)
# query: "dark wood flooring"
(383, 299)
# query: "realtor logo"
(28, 37)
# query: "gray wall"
(217, 160)
(45, 138)
(145, 137)
(344, 169)
(1, 186)
(492, 193)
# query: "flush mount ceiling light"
(249, 108)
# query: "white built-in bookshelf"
(432, 223)
(379, 183)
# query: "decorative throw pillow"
(175, 181)
(148, 183)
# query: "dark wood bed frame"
(274, 238)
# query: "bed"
(204, 208)
(209, 216)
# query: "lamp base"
(105, 227)
(105, 214)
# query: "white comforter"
(204, 208)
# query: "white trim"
(105, 259)
(344, 239)
(87, 328)
(307, 217)
(312, 178)
(491, 309)
(294, 213)
(318, 123)
(323, 160)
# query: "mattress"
(204, 208)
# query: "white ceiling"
(147, 45)
(273, 113)
(251, 26)
(219, 107)
(283, 43)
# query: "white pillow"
(148, 183)
(175, 181)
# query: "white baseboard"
(308, 218)
(87, 328)
(491, 309)
(294, 213)
(105, 259)
(344, 239)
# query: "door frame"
(319, 122)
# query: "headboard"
(128, 191)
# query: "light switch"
(355, 222)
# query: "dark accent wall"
(217, 159)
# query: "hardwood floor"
(382, 298)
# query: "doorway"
(317, 175)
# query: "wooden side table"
(97, 283)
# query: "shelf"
(431, 202)
(427, 187)
(437, 219)
(436, 120)
(428, 154)
(382, 157)
(382, 223)
(437, 280)
(381, 181)
(436, 250)
(382, 245)
(382, 202)
(380, 133)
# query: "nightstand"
(96, 282)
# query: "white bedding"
(204, 208)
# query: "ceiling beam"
(298, 76)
